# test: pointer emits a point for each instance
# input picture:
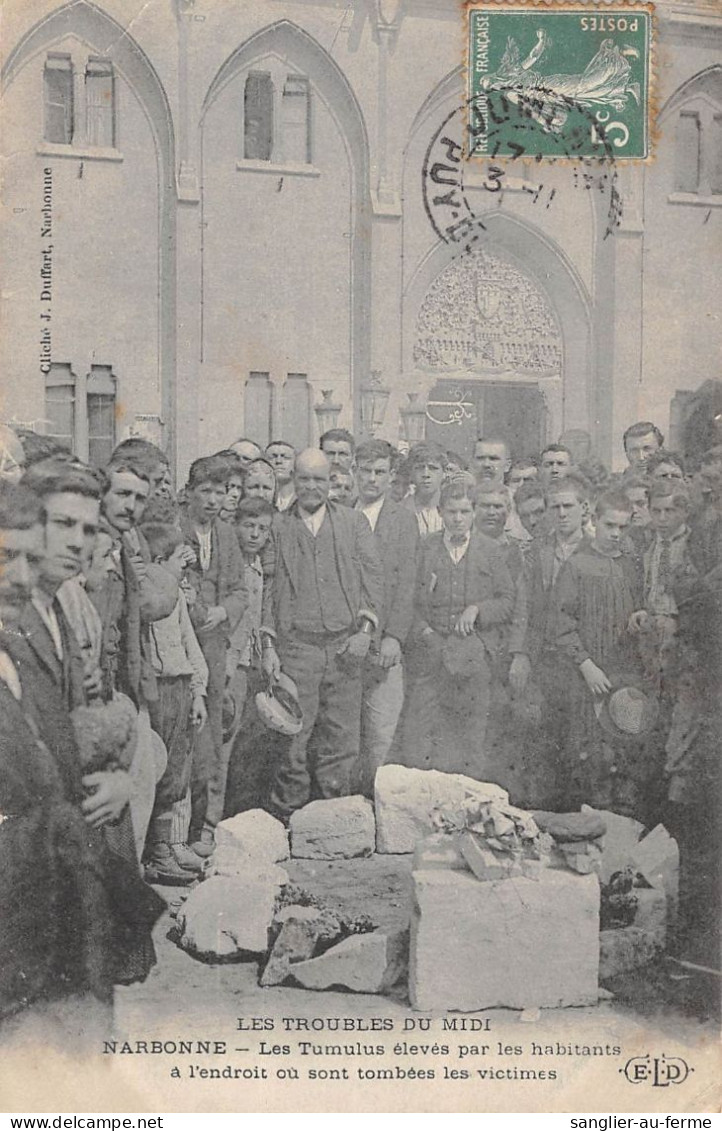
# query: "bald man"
(320, 612)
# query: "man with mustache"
(319, 617)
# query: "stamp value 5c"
(559, 81)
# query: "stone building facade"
(218, 220)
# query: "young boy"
(250, 768)
(596, 592)
(220, 593)
(464, 598)
(427, 464)
(182, 677)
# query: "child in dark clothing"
(464, 597)
(182, 676)
(597, 591)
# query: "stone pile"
(578, 839)
(509, 931)
(506, 904)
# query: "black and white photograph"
(360, 556)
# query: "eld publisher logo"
(659, 1071)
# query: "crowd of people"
(288, 622)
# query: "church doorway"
(458, 412)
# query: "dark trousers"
(444, 721)
(207, 770)
(170, 718)
(254, 750)
(320, 760)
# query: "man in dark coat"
(397, 540)
(320, 614)
(220, 601)
(76, 917)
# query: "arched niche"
(291, 43)
(113, 41)
(515, 262)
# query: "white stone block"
(365, 964)
(517, 943)
(657, 858)
(405, 798)
(339, 828)
(254, 833)
(439, 850)
(619, 841)
(227, 916)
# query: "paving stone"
(516, 943)
(340, 828)
(227, 916)
(365, 964)
(624, 949)
(620, 840)
(439, 850)
(405, 798)
(254, 833)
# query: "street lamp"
(413, 419)
(327, 412)
(374, 399)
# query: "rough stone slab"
(516, 943)
(620, 841)
(485, 864)
(586, 825)
(365, 964)
(440, 850)
(227, 916)
(339, 828)
(651, 913)
(624, 949)
(405, 798)
(657, 858)
(254, 833)
(296, 941)
(225, 861)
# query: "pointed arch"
(86, 21)
(287, 40)
(540, 258)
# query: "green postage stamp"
(559, 80)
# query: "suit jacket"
(227, 563)
(397, 540)
(539, 575)
(488, 584)
(360, 571)
(81, 916)
(67, 675)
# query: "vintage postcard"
(487, 232)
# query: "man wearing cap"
(319, 616)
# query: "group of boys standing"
(429, 612)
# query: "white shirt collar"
(457, 549)
(372, 510)
(313, 521)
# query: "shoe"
(187, 858)
(163, 868)
(205, 844)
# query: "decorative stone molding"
(482, 313)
